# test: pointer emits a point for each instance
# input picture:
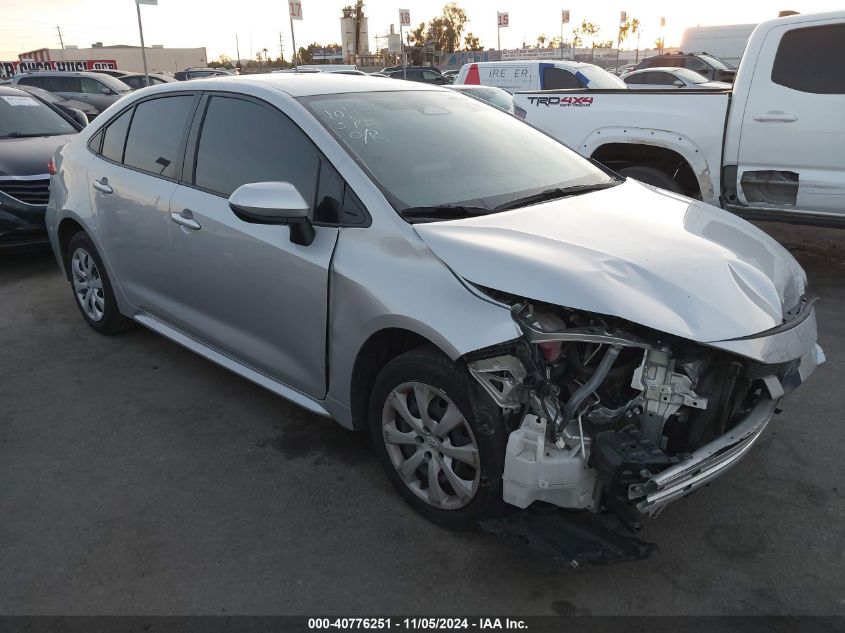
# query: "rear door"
(790, 150)
(131, 184)
(247, 289)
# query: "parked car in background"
(510, 321)
(390, 69)
(30, 132)
(451, 74)
(422, 74)
(95, 88)
(709, 66)
(196, 73)
(540, 75)
(138, 80)
(83, 113)
(621, 70)
(770, 149)
(112, 72)
(494, 96)
(726, 42)
(671, 79)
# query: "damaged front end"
(617, 416)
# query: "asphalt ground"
(138, 478)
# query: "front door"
(247, 290)
(790, 152)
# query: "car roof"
(298, 84)
(65, 73)
(522, 62)
(652, 69)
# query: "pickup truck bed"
(679, 130)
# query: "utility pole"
(141, 32)
(238, 50)
(61, 41)
(281, 49)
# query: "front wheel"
(441, 446)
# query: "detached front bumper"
(716, 457)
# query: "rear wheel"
(440, 445)
(91, 287)
(651, 176)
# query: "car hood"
(632, 251)
(29, 156)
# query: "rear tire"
(446, 459)
(92, 290)
(651, 176)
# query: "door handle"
(103, 185)
(776, 117)
(188, 223)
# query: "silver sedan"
(509, 321)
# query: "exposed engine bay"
(615, 416)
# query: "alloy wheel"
(431, 445)
(87, 284)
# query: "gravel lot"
(138, 478)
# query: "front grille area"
(29, 191)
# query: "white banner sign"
(564, 16)
(503, 20)
(404, 17)
(295, 9)
(623, 17)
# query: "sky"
(31, 24)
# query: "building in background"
(159, 58)
(725, 42)
(354, 34)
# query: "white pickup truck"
(772, 148)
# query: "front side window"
(242, 142)
(811, 60)
(92, 86)
(154, 137)
(429, 149)
(661, 79)
(23, 115)
(639, 78)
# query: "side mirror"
(77, 115)
(678, 83)
(274, 203)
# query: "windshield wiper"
(439, 212)
(553, 194)
(22, 135)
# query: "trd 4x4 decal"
(563, 102)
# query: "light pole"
(138, 4)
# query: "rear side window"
(811, 60)
(92, 86)
(640, 78)
(244, 142)
(62, 84)
(558, 78)
(156, 133)
(115, 137)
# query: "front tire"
(91, 287)
(441, 443)
(651, 176)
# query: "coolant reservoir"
(536, 470)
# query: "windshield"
(434, 148)
(23, 115)
(718, 64)
(599, 78)
(496, 96)
(115, 84)
(690, 75)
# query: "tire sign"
(503, 19)
(404, 17)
